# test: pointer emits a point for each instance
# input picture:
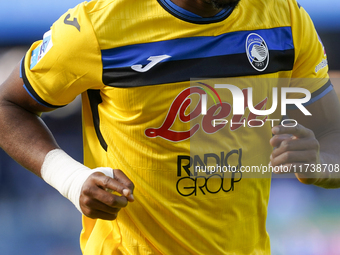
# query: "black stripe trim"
(322, 89)
(32, 91)
(203, 21)
(96, 99)
(234, 65)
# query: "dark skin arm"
(25, 137)
(316, 140)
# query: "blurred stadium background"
(35, 219)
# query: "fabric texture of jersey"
(141, 69)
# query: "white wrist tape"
(68, 175)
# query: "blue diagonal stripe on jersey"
(195, 47)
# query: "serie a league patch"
(39, 52)
(324, 61)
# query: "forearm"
(330, 157)
(24, 136)
(318, 142)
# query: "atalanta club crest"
(257, 52)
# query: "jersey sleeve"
(310, 69)
(65, 63)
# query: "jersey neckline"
(188, 16)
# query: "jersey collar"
(191, 17)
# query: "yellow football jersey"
(142, 68)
